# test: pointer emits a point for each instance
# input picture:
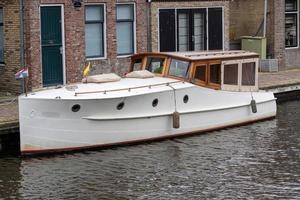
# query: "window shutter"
(215, 28)
(167, 30)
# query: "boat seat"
(140, 74)
(102, 78)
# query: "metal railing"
(128, 89)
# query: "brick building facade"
(76, 42)
(246, 18)
(214, 13)
(10, 45)
(282, 30)
(76, 23)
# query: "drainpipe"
(265, 17)
(149, 36)
(22, 60)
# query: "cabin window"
(248, 73)
(200, 73)
(155, 65)
(125, 29)
(94, 31)
(291, 23)
(215, 73)
(231, 74)
(137, 64)
(179, 68)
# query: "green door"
(51, 35)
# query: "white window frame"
(297, 28)
(134, 29)
(104, 32)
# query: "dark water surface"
(258, 161)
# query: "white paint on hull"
(47, 123)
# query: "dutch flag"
(22, 73)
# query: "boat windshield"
(155, 64)
(179, 68)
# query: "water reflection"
(10, 178)
(258, 161)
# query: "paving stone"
(277, 79)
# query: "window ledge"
(125, 56)
(2, 64)
(291, 48)
(96, 58)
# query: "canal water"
(257, 161)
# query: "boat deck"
(123, 88)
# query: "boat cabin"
(222, 70)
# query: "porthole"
(76, 108)
(120, 106)
(155, 102)
(185, 98)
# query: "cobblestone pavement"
(9, 107)
(277, 79)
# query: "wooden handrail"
(128, 89)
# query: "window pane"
(155, 65)
(94, 40)
(183, 32)
(125, 37)
(291, 5)
(1, 15)
(137, 64)
(179, 68)
(94, 13)
(1, 45)
(291, 30)
(215, 73)
(200, 73)
(124, 12)
(1, 37)
(199, 31)
(248, 74)
(231, 74)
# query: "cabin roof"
(206, 55)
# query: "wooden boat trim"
(39, 152)
(95, 118)
(220, 55)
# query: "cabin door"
(51, 45)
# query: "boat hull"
(49, 126)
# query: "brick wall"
(186, 4)
(75, 42)
(246, 17)
(276, 31)
(11, 47)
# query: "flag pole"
(25, 84)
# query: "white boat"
(189, 93)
